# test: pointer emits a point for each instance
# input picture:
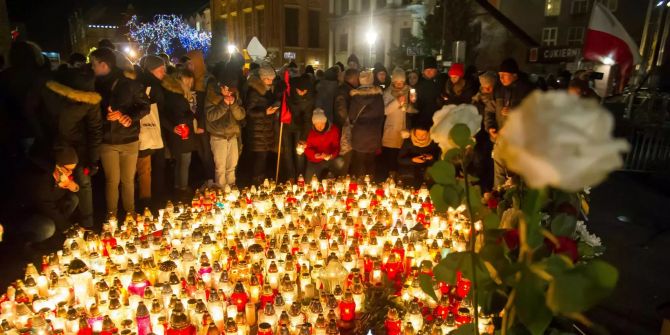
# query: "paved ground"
(639, 245)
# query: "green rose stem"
(473, 263)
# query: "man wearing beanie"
(508, 95)
(151, 157)
(366, 115)
(459, 90)
(428, 91)
(69, 114)
(322, 147)
(301, 104)
(50, 193)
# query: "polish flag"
(608, 42)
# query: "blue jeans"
(181, 170)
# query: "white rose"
(446, 118)
(555, 139)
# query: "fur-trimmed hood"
(366, 90)
(257, 84)
(172, 84)
(90, 98)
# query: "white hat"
(398, 75)
(319, 116)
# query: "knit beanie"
(488, 78)
(429, 63)
(398, 75)
(152, 62)
(319, 116)
(457, 69)
(266, 71)
(66, 156)
(365, 78)
(509, 65)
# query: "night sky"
(46, 20)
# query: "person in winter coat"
(224, 113)
(428, 93)
(342, 101)
(413, 78)
(398, 103)
(417, 154)
(70, 116)
(381, 76)
(202, 143)
(301, 105)
(178, 122)
(262, 104)
(507, 96)
(459, 89)
(51, 197)
(123, 104)
(353, 62)
(323, 147)
(482, 163)
(151, 161)
(326, 90)
(366, 114)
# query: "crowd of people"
(142, 123)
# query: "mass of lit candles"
(282, 259)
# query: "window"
(579, 7)
(344, 6)
(405, 36)
(248, 26)
(291, 27)
(550, 36)
(552, 8)
(313, 27)
(343, 43)
(260, 22)
(365, 5)
(575, 36)
(612, 5)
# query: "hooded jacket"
(199, 85)
(301, 112)
(120, 91)
(396, 116)
(71, 117)
(176, 110)
(428, 99)
(261, 126)
(366, 114)
(223, 120)
(326, 91)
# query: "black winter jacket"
(176, 110)
(261, 126)
(121, 91)
(428, 100)
(507, 96)
(326, 91)
(465, 97)
(408, 151)
(342, 99)
(366, 114)
(70, 117)
(302, 108)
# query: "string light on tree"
(166, 32)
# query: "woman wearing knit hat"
(366, 114)
(323, 147)
(398, 102)
(458, 89)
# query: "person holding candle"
(51, 196)
(417, 153)
(177, 122)
(323, 146)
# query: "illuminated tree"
(167, 33)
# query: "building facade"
(87, 28)
(288, 29)
(354, 22)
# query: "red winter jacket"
(327, 142)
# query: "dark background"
(46, 21)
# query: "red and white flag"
(608, 42)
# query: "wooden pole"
(281, 131)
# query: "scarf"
(396, 93)
(419, 143)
